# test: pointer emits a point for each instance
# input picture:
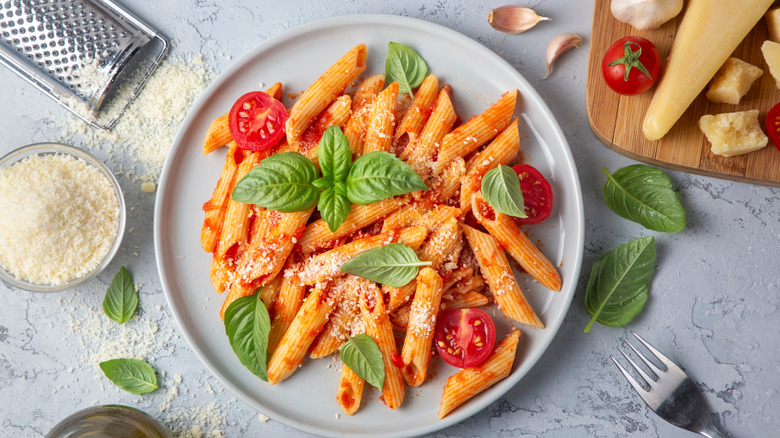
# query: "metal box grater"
(79, 52)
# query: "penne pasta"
(216, 207)
(317, 233)
(344, 320)
(502, 150)
(323, 91)
(237, 214)
(378, 327)
(422, 320)
(417, 114)
(464, 301)
(350, 390)
(397, 296)
(357, 125)
(443, 247)
(469, 382)
(307, 324)
(381, 121)
(420, 153)
(478, 130)
(520, 247)
(446, 184)
(286, 306)
(336, 114)
(495, 268)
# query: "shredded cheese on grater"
(58, 218)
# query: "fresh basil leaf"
(248, 336)
(323, 183)
(405, 66)
(619, 283)
(340, 188)
(380, 175)
(362, 355)
(644, 194)
(260, 332)
(334, 208)
(501, 189)
(132, 375)
(393, 265)
(121, 297)
(334, 154)
(281, 182)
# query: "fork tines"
(661, 387)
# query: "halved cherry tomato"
(256, 121)
(464, 337)
(537, 194)
(773, 125)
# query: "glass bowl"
(50, 148)
(109, 421)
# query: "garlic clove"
(513, 18)
(560, 45)
(645, 14)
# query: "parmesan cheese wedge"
(708, 34)
(773, 24)
(771, 51)
(733, 133)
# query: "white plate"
(306, 400)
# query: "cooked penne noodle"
(357, 125)
(498, 274)
(464, 301)
(446, 184)
(344, 320)
(397, 296)
(422, 320)
(469, 382)
(235, 291)
(443, 247)
(270, 291)
(502, 150)
(404, 216)
(237, 215)
(478, 130)
(220, 273)
(418, 112)
(317, 233)
(323, 91)
(350, 391)
(216, 207)
(420, 152)
(327, 266)
(453, 277)
(307, 324)
(516, 243)
(378, 327)
(381, 121)
(336, 114)
(474, 283)
(286, 306)
(437, 216)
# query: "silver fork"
(674, 396)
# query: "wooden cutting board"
(617, 120)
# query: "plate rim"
(474, 406)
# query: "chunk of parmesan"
(733, 81)
(733, 133)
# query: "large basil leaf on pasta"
(247, 325)
(405, 66)
(132, 375)
(281, 182)
(362, 355)
(334, 155)
(501, 189)
(393, 265)
(619, 283)
(380, 175)
(644, 194)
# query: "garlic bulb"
(513, 18)
(645, 14)
(560, 45)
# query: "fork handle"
(711, 431)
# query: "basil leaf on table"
(334, 208)
(393, 265)
(644, 194)
(132, 375)
(619, 283)
(501, 189)
(334, 155)
(405, 66)
(362, 355)
(121, 297)
(247, 325)
(380, 175)
(281, 182)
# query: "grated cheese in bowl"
(62, 217)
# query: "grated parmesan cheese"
(58, 218)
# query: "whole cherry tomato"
(631, 65)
